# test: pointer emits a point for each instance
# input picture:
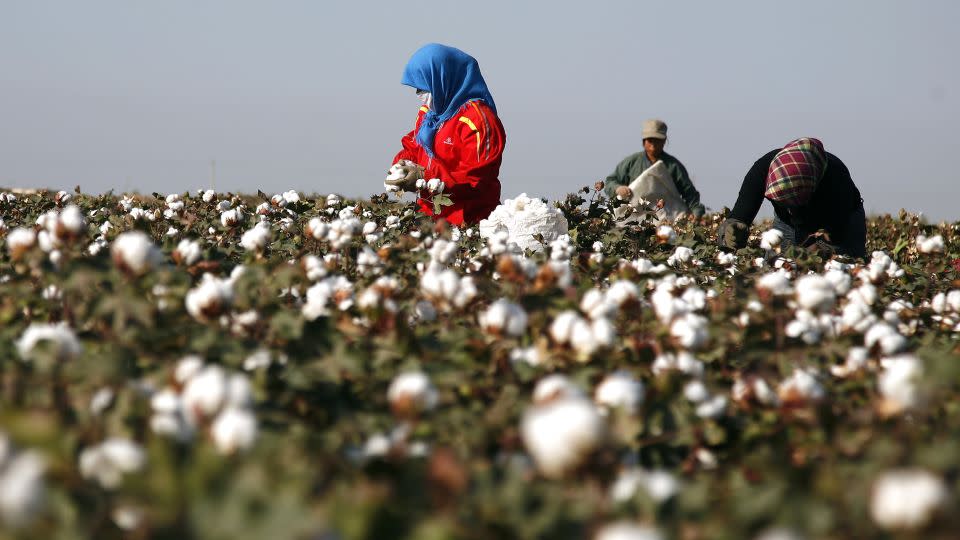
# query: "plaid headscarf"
(795, 172)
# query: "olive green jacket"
(634, 164)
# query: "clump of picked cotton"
(934, 244)
(907, 499)
(333, 290)
(503, 318)
(771, 239)
(23, 493)
(210, 299)
(107, 462)
(135, 254)
(801, 388)
(898, 383)
(257, 238)
(57, 339)
(187, 252)
(525, 219)
(561, 434)
(625, 530)
(621, 391)
(411, 394)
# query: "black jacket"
(836, 205)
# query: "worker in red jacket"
(458, 137)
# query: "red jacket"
(468, 150)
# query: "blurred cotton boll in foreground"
(108, 461)
(234, 430)
(23, 494)
(934, 244)
(620, 390)
(211, 298)
(907, 499)
(562, 434)
(411, 394)
(503, 317)
(628, 531)
(771, 239)
(57, 339)
(134, 253)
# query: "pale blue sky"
(306, 95)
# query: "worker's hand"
(822, 248)
(624, 193)
(732, 234)
(404, 175)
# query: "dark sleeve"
(850, 229)
(688, 191)
(619, 177)
(751, 192)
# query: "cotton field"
(214, 365)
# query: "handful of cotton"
(397, 172)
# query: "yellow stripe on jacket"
(472, 126)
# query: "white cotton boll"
(562, 434)
(666, 234)
(424, 311)
(232, 217)
(621, 292)
(805, 326)
(840, 280)
(582, 339)
(690, 331)
(135, 253)
(530, 356)
(604, 333)
(659, 485)
(186, 368)
(314, 267)
(666, 305)
(726, 259)
(257, 238)
(205, 393)
(771, 239)
(210, 299)
(695, 391)
(907, 499)
(815, 293)
(628, 531)
(776, 283)
(934, 244)
(58, 339)
(209, 195)
(681, 255)
(562, 326)
(72, 221)
(553, 387)
(503, 317)
(695, 297)
(317, 229)
(187, 252)
(435, 185)
(885, 337)
(412, 393)
(898, 382)
(856, 360)
(780, 534)
(234, 430)
(101, 401)
(865, 294)
(683, 362)
(713, 407)
(801, 387)
(620, 390)
(107, 462)
(23, 494)
(946, 302)
(239, 392)
(594, 304)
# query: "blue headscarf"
(452, 77)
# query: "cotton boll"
(562, 326)
(424, 311)
(815, 293)
(234, 430)
(186, 368)
(553, 387)
(23, 493)
(107, 462)
(187, 252)
(801, 388)
(666, 234)
(907, 499)
(771, 239)
(232, 217)
(683, 361)
(620, 390)
(210, 299)
(934, 244)
(885, 337)
(659, 485)
(205, 393)
(594, 303)
(71, 223)
(840, 280)
(857, 316)
(695, 391)
(58, 338)
(776, 283)
(681, 255)
(628, 531)
(865, 294)
(726, 259)
(713, 407)
(855, 361)
(898, 382)
(411, 394)
(101, 401)
(752, 388)
(690, 331)
(562, 434)
(257, 238)
(134, 253)
(504, 318)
